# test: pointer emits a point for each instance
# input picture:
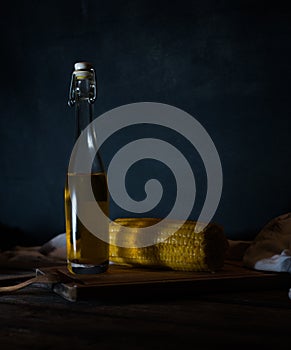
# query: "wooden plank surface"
(35, 318)
(235, 317)
(132, 282)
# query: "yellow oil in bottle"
(86, 253)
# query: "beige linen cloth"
(25, 258)
(271, 248)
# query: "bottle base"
(87, 269)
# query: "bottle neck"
(83, 106)
(82, 95)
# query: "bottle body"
(86, 252)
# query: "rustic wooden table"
(35, 317)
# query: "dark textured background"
(225, 62)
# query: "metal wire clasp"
(80, 75)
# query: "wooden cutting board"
(132, 283)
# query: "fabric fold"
(271, 248)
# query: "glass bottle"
(86, 253)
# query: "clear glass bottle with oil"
(86, 253)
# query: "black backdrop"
(225, 62)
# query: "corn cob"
(184, 250)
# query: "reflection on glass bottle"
(86, 253)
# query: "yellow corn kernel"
(184, 250)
